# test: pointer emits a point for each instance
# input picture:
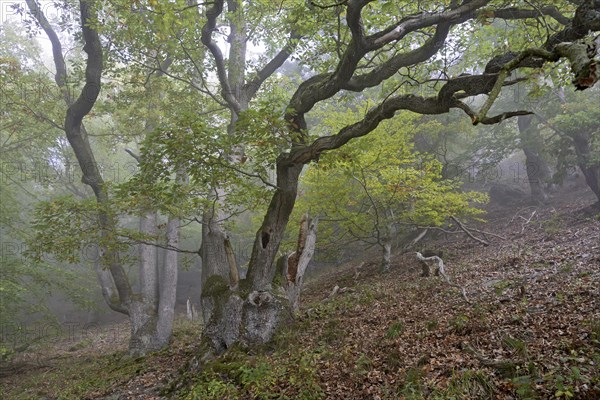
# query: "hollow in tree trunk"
(293, 267)
(251, 312)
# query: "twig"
(132, 154)
(527, 221)
(518, 214)
(336, 288)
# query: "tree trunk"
(252, 313)
(538, 171)
(152, 311)
(590, 169)
(143, 307)
(214, 260)
(294, 266)
(226, 306)
(148, 271)
(168, 283)
(386, 255)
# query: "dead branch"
(518, 214)
(294, 266)
(485, 233)
(442, 272)
(468, 232)
(336, 288)
(527, 221)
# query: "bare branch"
(419, 21)
(132, 154)
(468, 232)
(212, 14)
(252, 87)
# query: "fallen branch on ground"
(468, 232)
(527, 221)
(485, 233)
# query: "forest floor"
(531, 329)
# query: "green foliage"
(516, 346)
(395, 330)
(36, 165)
(594, 327)
(64, 227)
(289, 376)
(470, 384)
(363, 364)
(377, 185)
(576, 115)
(501, 286)
(552, 225)
(460, 324)
(413, 385)
(432, 325)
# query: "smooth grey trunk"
(148, 267)
(386, 255)
(153, 310)
(105, 279)
(143, 337)
(168, 282)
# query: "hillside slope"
(531, 329)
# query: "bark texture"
(294, 266)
